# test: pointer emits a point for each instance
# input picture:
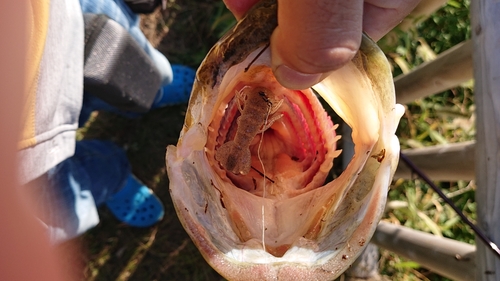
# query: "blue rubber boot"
(136, 205)
(179, 90)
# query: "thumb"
(314, 37)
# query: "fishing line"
(264, 176)
(491, 245)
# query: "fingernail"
(295, 80)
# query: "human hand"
(315, 37)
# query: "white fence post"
(486, 36)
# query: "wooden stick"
(450, 258)
(449, 69)
(450, 162)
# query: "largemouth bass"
(247, 176)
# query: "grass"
(184, 32)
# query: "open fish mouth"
(289, 159)
(247, 176)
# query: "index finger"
(239, 7)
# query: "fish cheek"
(193, 179)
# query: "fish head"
(282, 220)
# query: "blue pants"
(74, 188)
(71, 192)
